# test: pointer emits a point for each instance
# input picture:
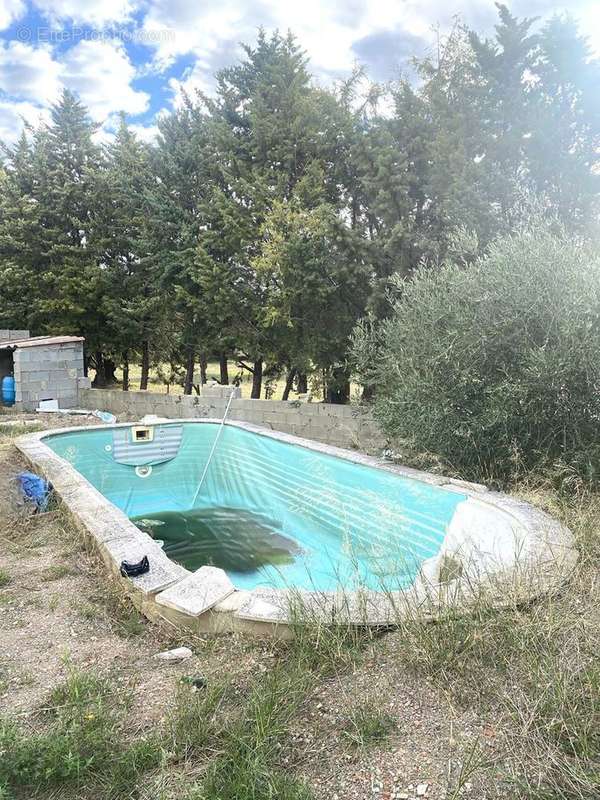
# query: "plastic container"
(8, 390)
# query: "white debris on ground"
(175, 655)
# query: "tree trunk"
(145, 365)
(338, 388)
(125, 385)
(100, 379)
(289, 382)
(203, 366)
(302, 383)
(110, 371)
(224, 370)
(257, 379)
(189, 370)
(368, 393)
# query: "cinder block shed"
(44, 368)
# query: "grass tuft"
(323, 645)
(12, 431)
(107, 603)
(368, 725)
(56, 572)
(246, 768)
(194, 724)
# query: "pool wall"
(495, 548)
(347, 426)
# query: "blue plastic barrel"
(8, 390)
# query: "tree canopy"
(269, 217)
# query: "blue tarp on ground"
(35, 489)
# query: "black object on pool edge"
(129, 570)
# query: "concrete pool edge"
(503, 549)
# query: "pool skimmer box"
(142, 434)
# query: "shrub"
(494, 366)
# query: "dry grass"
(537, 667)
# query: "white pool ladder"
(214, 447)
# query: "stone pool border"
(497, 548)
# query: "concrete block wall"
(221, 391)
(344, 426)
(48, 372)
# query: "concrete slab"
(197, 593)
(163, 572)
(330, 608)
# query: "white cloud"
(106, 134)
(10, 10)
(328, 31)
(99, 71)
(101, 74)
(145, 133)
(590, 26)
(29, 72)
(93, 12)
(325, 30)
(12, 115)
(197, 78)
(181, 26)
(333, 34)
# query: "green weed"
(368, 725)
(246, 768)
(81, 742)
(193, 724)
(323, 645)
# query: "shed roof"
(39, 341)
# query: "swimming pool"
(278, 519)
(271, 513)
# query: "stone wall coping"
(496, 548)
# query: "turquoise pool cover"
(272, 513)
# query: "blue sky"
(138, 55)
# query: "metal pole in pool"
(213, 448)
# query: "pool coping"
(503, 549)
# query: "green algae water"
(271, 513)
(235, 540)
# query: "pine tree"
(52, 193)
(183, 165)
(269, 129)
(133, 303)
(20, 250)
(316, 281)
(563, 145)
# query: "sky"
(137, 56)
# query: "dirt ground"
(59, 608)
